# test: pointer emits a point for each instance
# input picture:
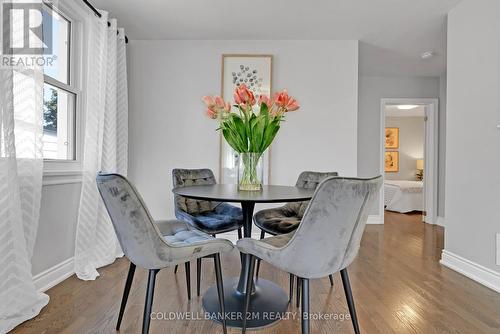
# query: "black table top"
(230, 193)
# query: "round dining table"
(269, 301)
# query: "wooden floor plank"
(398, 284)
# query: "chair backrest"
(329, 236)
(308, 180)
(139, 237)
(193, 177)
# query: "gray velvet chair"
(285, 219)
(154, 245)
(207, 216)
(326, 241)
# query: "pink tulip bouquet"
(244, 130)
(247, 132)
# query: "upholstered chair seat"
(179, 233)
(208, 216)
(326, 241)
(277, 220)
(286, 219)
(223, 218)
(154, 245)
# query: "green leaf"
(249, 132)
(264, 109)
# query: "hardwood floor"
(398, 284)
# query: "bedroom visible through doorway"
(408, 160)
(404, 158)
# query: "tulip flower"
(285, 102)
(209, 101)
(266, 100)
(243, 96)
(216, 107)
(211, 113)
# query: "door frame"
(430, 153)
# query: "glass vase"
(250, 171)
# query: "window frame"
(76, 16)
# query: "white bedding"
(403, 196)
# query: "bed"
(403, 196)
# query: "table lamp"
(420, 168)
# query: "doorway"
(409, 163)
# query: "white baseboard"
(374, 219)
(440, 221)
(55, 275)
(472, 270)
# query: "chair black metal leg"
(292, 279)
(331, 279)
(126, 291)
(220, 291)
(187, 267)
(198, 276)
(175, 269)
(297, 299)
(248, 293)
(306, 325)
(350, 299)
(262, 235)
(148, 306)
(258, 269)
(240, 235)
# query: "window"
(59, 93)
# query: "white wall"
(168, 128)
(411, 145)
(55, 241)
(473, 140)
(371, 90)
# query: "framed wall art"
(255, 71)
(391, 138)
(391, 161)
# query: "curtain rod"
(96, 12)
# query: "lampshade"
(420, 164)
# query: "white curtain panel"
(105, 144)
(21, 168)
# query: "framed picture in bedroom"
(255, 71)
(391, 138)
(391, 161)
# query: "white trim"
(59, 181)
(51, 178)
(375, 219)
(76, 12)
(472, 270)
(55, 275)
(431, 152)
(440, 221)
(54, 173)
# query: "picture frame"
(235, 69)
(391, 138)
(391, 161)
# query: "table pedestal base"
(268, 304)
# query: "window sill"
(55, 177)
